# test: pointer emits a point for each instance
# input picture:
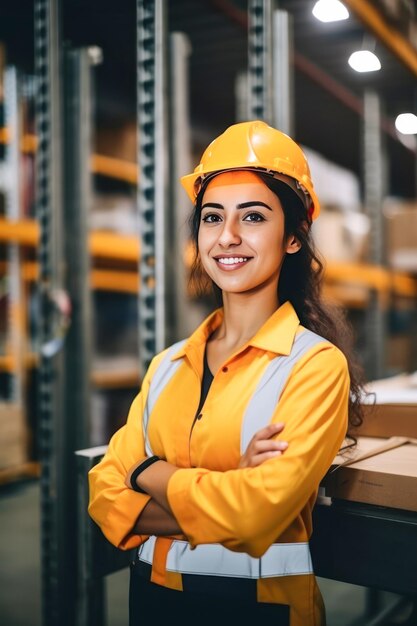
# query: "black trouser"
(205, 601)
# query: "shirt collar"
(277, 334)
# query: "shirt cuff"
(122, 517)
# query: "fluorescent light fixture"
(364, 61)
(330, 11)
(406, 123)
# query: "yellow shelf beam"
(110, 280)
(101, 280)
(103, 244)
(114, 168)
(8, 362)
(373, 20)
(112, 246)
(101, 379)
(372, 277)
(24, 232)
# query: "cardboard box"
(395, 409)
(400, 352)
(388, 479)
(341, 237)
(13, 436)
(118, 141)
(401, 228)
(389, 420)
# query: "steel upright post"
(78, 201)
(270, 76)
(283, 73)
(78, 90)
(374, 191)
(57, 582)
(181, 163)
(153, 156)
(260, 59)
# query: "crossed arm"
(157, 517)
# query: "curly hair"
(300, 283)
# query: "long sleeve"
(247, 509)
(113, 506)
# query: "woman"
(214, 477)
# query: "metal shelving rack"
(152, 191)
(63, 117)
(55, 436)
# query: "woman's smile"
(231, 263)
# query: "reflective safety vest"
(281, 559)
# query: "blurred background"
(103, 106)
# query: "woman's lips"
(231, 262)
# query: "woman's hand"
(262, 446)
(155, 520)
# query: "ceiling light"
(364, 61)
(330, 11)
(406, 123)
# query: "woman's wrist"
(151, 476)
(135, 475)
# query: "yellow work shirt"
(244, 510)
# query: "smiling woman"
(215, 474)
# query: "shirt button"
(199, 416)
(225, 369)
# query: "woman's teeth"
(232, 260)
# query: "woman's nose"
(230, 234)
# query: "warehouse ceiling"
(327, 93)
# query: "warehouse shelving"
(111, 247)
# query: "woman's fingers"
(263, 446)
(269, 431)
(268, 445)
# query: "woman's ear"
(293, 245)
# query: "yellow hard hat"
(256, 146)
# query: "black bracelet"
(141, 468)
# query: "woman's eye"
(211, 218)
(254, 217)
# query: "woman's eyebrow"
(212, 205)
(247, 205)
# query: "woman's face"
(241, 236)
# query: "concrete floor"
(20, 560)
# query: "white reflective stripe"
(163, 374)
(146, 550)
(281, 559)
(264, 400)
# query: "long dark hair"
(300, 283)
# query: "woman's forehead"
(234, 177)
